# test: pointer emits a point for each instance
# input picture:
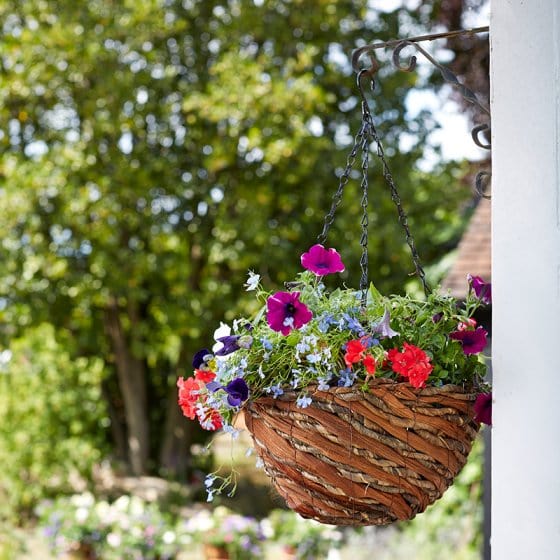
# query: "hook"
(396, 57)
(481, 183)
(475, 136)
(356, 55)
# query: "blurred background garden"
(152, 152)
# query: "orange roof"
(473, 253)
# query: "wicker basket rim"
(374, 384)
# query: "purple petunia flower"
(482, 290)
(473, 341)
(483, 408)
(437, 317)
(198, 359)
(322, 261)
(237, 391)
(384, 329)
(285, 312)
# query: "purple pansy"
(473, 341)
(322, 261)
(229, 344)
(286, 312)
(483, 408)
(482, 290)
(237, 391)
(198, 359)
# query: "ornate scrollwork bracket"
(482, 180)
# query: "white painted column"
(525, 72)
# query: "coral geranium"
(189, 391)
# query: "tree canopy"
(152, 152)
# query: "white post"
(525, 76)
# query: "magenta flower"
(483, 408)
(482, 290)
(473, 341)
(285, 312)
(322, 261)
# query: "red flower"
(412, 363)
(355, 350)
(204, 375)
(189, 391)
(209, 418)
(369, 364)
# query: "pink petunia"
(483, 408)
(473, 342)
(285, 312)
(322, 261)
(482, 290)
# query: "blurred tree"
(153, 151)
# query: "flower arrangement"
(309, 338)
(240, 537)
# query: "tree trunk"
(177, 434)
(132, 383)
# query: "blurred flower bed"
(79, 526)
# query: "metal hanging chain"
(344, 178)
(395, 197)
(364, 222)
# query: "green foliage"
(308, 539)
(313, 354)
(241, 536)
(129, 527)
(153, 151)
(51, 419)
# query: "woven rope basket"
(364, 458)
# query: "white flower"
(252, 282)
(168, 537)
(85, 500)
(81, 514)
(221, 331)
(114, 540)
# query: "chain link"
(350, 160)
(364, 259)
(362, 142)
(395, 197)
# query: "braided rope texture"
(357, 457)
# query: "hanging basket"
(357, 457)
(367, 448)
